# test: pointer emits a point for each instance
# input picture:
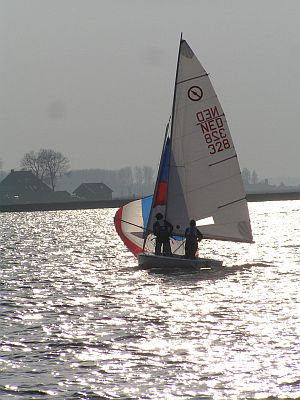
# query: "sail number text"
(213, 130)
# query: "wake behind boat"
(198, 179)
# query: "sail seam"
(190, 79)
(232, 202)
(225, 159)
(227, 238)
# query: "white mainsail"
(204, 174)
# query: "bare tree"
(139, 179)
(35, 163)
(254, 178)
(138, 175)
(47, 165)
(56, 164)
(246, 176)
(148, 173)
(125, 180)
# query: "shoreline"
(273, 196)
(116, 203)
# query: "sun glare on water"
(77, 308)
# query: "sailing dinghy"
(198, 178)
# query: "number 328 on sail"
(213, 129)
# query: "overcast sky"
(94, 78)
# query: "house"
(23, 187)
(93, 191)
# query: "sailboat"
(198, 178)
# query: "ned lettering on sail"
(209, 119)
(213, 129)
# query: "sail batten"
(190, 79)
(221, 161)
(232, 202)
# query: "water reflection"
(80, 320)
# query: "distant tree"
(36, 163)
(254, 178)
(148, 173)
(246, 176)
(138, 175)
(47, 165)
(125, 175)
(56, 164)
(125, 180)
(139, 179)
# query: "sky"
(94, 79)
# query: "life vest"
(162, 229)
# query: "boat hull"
(149, 260)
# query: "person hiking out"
(162, 229)
(193, 236)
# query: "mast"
(165, 140)
(172, 116)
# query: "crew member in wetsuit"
(162, 229)
(193, 236)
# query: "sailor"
(193, 236)
(162, 229)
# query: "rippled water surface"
(80, 320)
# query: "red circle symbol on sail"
(195, 93)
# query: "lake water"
(80, 320)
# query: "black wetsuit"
(193, 235)
(162, 229)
